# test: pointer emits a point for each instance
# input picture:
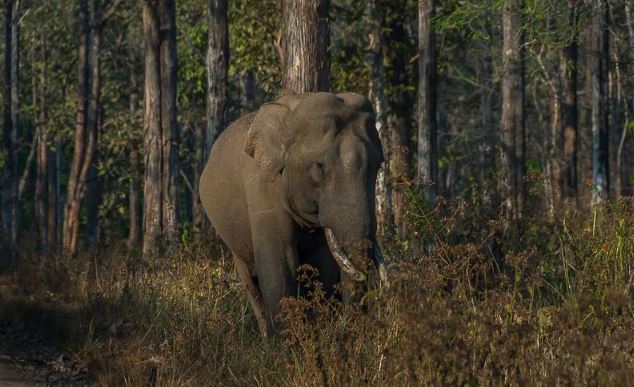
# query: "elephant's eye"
(317, 172)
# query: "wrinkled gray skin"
(277, 178)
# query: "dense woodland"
(508, 133)
(111, 107)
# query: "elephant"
(292, 184)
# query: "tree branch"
(110, 12)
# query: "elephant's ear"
(268, 137)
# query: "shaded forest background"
(504, 204)
(514, 106)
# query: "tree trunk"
(81, 150)
(484, 68)
(376, 89)
(597, 86)
(629, 110)
(427, 165)
(512, 122)
(93, 181)
(569, 109)
(160, 215)
(217, 65)
(399, 124)
(152, 136)
(305, 39)
(134, 235)
(42, 207)
(10, 136)
(169, 125)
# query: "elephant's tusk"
(342, 259)
(381, 265)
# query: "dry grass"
(543, 303)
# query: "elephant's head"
(326, 151)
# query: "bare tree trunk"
(484, 68)
(81, 147)
(134, 235)
(169, 125)
(399, 124)
(56, 232)
(92, 180)
(427, 168)
(569, 109)
(217, 65)
(597, 90)
(512, 121)
(629, 110)
(42, 209)
(305, 39)
(160, 215)
(152, 137)
(11, 110)
(376, 87)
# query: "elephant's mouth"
(346, 264)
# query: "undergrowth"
(471, 301)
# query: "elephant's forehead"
(322, 107)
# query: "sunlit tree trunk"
(9, 232)
(569, 109)
(160, 126)
(597, 91)
(427, 165)
(81, 146)
(376, 89)
(86, 122)
(512, 134)
(152, 137)
(305, 39)
(169, 125)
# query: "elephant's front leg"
(276, 259)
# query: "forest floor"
(546, 302)
(29, 356)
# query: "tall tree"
(40, 84)
(217, 65)
(484, 69)
(305, 39)
(401, 103)
(134, 232)
(91, 23)
(376, 91)
(160, 125)
(597, 92)
(84, 143)
(512, 133)
(427, 168)
(569, 107)
(10, 135)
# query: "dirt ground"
(28, 357)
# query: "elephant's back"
(222, 189)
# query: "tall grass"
(539, 303)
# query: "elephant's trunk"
(346, 264)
